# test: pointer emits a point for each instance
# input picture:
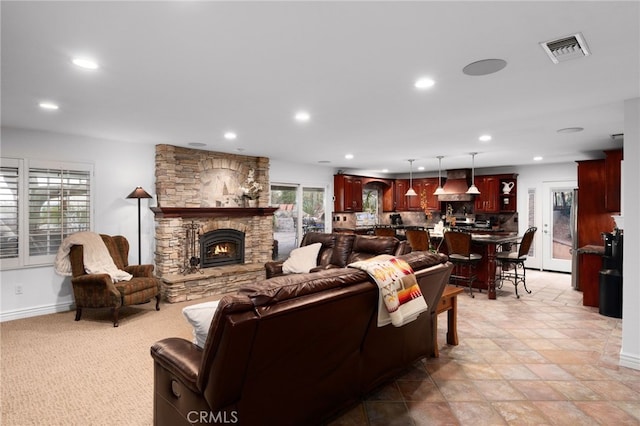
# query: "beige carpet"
(56, 371)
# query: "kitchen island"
(485, 244)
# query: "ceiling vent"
(566, 48)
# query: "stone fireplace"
(198, 190)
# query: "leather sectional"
(294, 349)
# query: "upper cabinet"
(612, 179)
(347, 193)
(400, 200)
(498, 193)
(425, 200)
(487, 201)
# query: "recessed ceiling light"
(570, 130)
(302, 116)
(385, 170)
(484, 67)
(48, 105)
(421, 168)
(484, 138)
(85, 63)
(349, 156)
(230, 136)
(424, 83)
(538, 158)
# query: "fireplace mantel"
(169, 212)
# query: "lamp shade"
(439, 190)
(473, 189)
(410, 192)
(139, 193)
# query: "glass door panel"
(285, 219)
(557, 229)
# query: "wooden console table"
(448, 302)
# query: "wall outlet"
(18, 288)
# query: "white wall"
(630, 352)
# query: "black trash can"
(611, 293)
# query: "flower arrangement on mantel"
(251, 188)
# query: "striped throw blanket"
(400, 300)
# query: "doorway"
(558, 229)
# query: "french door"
(558, 233)
(301, 209)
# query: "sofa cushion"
(368, 246)
(302, 259)
(200, 316)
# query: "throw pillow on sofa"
(302, 259)
(200, 316)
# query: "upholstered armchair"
(99, 290)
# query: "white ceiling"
(182, 72)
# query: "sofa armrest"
(273, 269)
(181, 358)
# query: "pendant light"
(439, 190)
(410, 191)
(473, 190)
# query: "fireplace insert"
(221, 247)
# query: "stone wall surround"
(205, 179)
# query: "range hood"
(455, 188)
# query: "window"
(9, 209)
(41, 204)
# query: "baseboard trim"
(630, 361)
(35, 311)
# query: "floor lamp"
(139, 193)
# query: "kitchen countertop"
(591, 249)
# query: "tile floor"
(543, 359)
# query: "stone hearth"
(200, 187)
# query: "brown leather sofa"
(293, 350)
(339, 249)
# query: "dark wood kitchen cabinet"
(593, 219)
(413, 203)
(426, 200)
(400, 188)
(613, 179)
(492, 198)
(487, 201)
(347, 192)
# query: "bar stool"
(384, 231)
(510, 261)
(465, 263)
(417, 238)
